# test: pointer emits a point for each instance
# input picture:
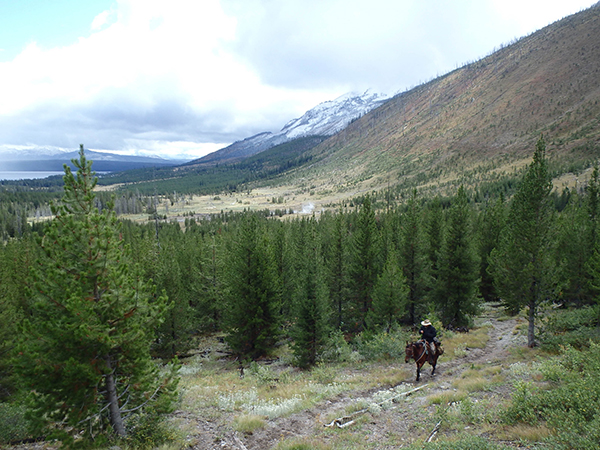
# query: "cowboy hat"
(426, 323)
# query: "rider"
(429, 332)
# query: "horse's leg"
(418, 371)
(434, 364)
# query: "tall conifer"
(365, 261)
(434, 234)
(413, 259)
(458, 274)
(390, 296)
(85, 346)
(336, 262)
(491, 223)
(311, 302)
(253, 295)
(15, 262)
(521, 264)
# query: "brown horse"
(416, 351)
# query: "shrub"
(382, 345)
(338, 350)
(571, 406)
(262, 373)
(574, 327)
(149, 430)
(13, 424)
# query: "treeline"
(224, 177)
(364, 267)
(377, 266)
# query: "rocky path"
(399, 420)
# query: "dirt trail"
(398, 421)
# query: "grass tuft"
(526, 432)
(301, 444)
(248, 423)
(471, 384)
(446, 397)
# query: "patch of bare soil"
(409, 421)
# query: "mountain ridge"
(475, 126)
(477, 122)
(103, 161)
(325, 119)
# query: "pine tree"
(521, 264)
(175, 261)
(413, 259)
(336, 263)
(592, 266)
(253, 296)
(390, 296)
(491, 223)
(434, 233)
(15, 262)
(364, 266)
(281, 235)
(458, 275)
(593, 206)
(85, 346)
(572, 252)
(311, 311)
(204, 278)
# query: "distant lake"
(30, 175)
(23, 175)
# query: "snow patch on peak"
(330, 117)
(325, 119)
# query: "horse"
(417, 351)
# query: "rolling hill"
(476, 126)
(479, 122)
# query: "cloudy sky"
(187, 77)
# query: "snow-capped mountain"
(329, 117)
(325, 119)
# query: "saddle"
(438, 346)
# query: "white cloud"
(102, 19)
(188, 76)
(142, 60)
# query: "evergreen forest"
(99, 312)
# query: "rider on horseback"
(429, 333)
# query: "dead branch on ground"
(343, 422)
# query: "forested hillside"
(475, 125)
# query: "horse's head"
(408, 352)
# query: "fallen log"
(343, 422)
(239, 442)
(434, 432)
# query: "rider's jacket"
(429, 333)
